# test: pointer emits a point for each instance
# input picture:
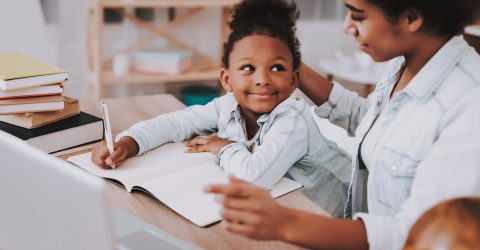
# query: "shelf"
(109, 78)
(100, 73)
(167, 3)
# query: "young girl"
(417, 134)
(261, 129)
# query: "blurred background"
(114, 48)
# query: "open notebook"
(175, 178)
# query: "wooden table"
(126, 111)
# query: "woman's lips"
(364, 47)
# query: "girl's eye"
(247, 68)
(278, 67)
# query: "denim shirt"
(287, 143)
(428, 142)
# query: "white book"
(31, 104)
(53, 89)
(176, 179)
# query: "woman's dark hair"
(275, 18)
(441, 17)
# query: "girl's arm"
(176, 126)
(252, 212)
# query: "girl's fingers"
(197, 149)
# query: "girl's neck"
(418, 57)
(251, 124)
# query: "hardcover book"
(18, 71)
(53, 89)
(70, 132)
(31, 104)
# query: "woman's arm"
(252, 212)
(313, 85)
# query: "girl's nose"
(262, 78)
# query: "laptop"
(47, 203)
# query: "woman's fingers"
(242, 229)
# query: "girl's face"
(375, 35)
(260, 74)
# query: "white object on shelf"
(121, 64)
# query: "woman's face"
(373, 32)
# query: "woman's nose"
(348, 26)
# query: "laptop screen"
(46, 203)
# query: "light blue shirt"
(287, 143)
(428, 138)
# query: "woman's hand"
(206, 143)
(126, 147)
(313, 85)
(251, 211)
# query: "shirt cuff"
(382, 232)
(325, 109)
(226, 153)
(142, 149)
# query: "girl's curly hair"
(275, 18)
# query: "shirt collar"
(235, 112)
(429, 78)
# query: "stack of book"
(169, 61)
(33, 108)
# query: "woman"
(418, 136)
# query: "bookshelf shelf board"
(167, 3)
(139, 77)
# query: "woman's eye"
(247, 68)
(276, 68)
(356, 18)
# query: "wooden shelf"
(167, 3)
(99, 72)
(109, 78)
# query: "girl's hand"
(206, 143)
(124, 148)
(251, 211)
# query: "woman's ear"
(225, 80)
(413, 19)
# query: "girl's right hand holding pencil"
(124, 148)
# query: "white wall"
(23, 30)
(319, 37)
